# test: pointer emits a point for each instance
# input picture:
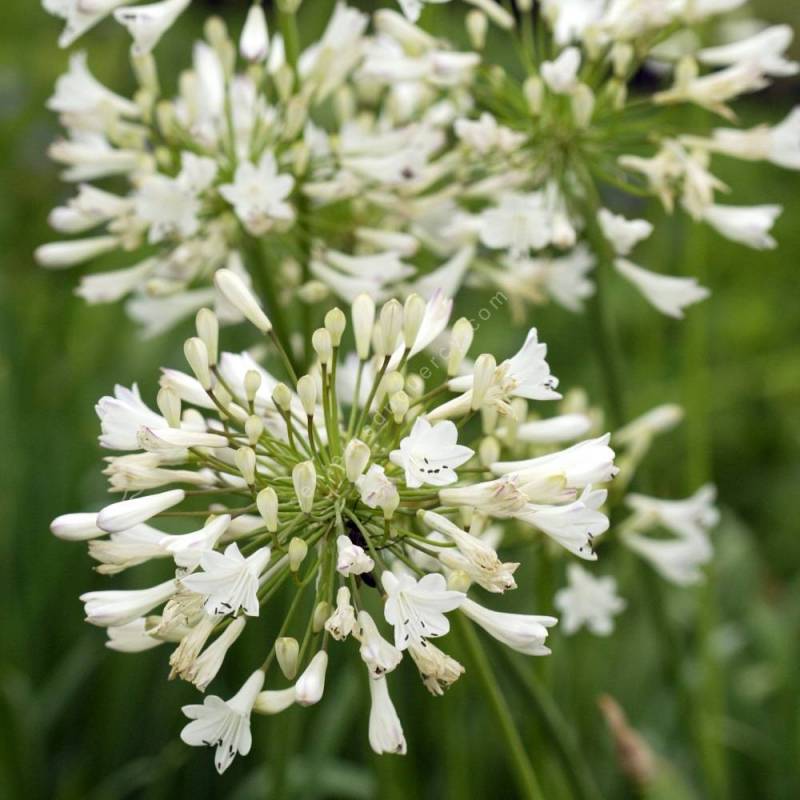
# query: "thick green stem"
(523, 769)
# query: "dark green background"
(708, 675)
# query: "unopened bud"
(356, 458)
(582, 105)
(389, 325)
(254, 42)
(323, 346)
(252, 383)
(307, 391)
(399, 404)
(413, 313)
(233, 289)
(477, 24)
(335, 323)
(169, 404)
(363, 315)
(321, 613)
(485, 366)
(287, 651)
(313, 292)
(489, 451)
(304, 478)
(460, 341)
(621, 57)
(267, 504)
(392, 382)
(298, 550)
(489, 416)
(458, 581)
(197, 355)
(533, 89)
(246, 464)
(415, 385)
(207, 326)
(253, 427)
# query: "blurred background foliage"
(707, 675)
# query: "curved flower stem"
(526, 777)
(575, 766)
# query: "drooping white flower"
(80, 15)
(416, 608)
(132, 637)
(310, 686)
(525, 633)
(689, 518)
(228, 580)
(275, 701)
(519, 223)
(148, 23)
(351, 558)
(121, 417)
(748, 225)
(127, 548)
(574, 526)
(623, 234)
(668, 293)
(379, 655)
(430, 454)
(588, 601)
(224, 724)
(438, 670)
(258, 194)
(779, 144)
(485, 134)
(679, 561)
(115, 608)
(653, 422)
(340, 624)
(188, 548)
(208, 664)
(561, 75)
(127, 513)
(385, 730)
(765, 48)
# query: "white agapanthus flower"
(668, 293)
(588, 602)
(430, 454)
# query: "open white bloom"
(351, 558)
(669, 294)
(779, 144)
(588, 601)
(258, 194)
(228, 580)
(206, 666)
(340, 624)
(122, 416)
(525, 633)
(679, 561)
(430, 454)
(561, 75)
(224, 724)
(188, 548)
(385, 730)
(416, 608)
(765, 48)
(80, 15)
(749, 225)
(377, 491)
(623, 234)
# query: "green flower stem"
(558, 730)
(287, 22)
(526, 777)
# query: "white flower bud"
(356, 458)
(233, 289)
(76, 251)
(76, 527)
(413, 313)
(477, 24)
(489, 451)
(311, 684)
(169, 404)
(253, 427)
(335, 323)
(389, 326)
(252, 383)
(533, 88)
(127, 513)
(322, 612)
(304, 478)
(298, 550)
(582, 105)
(287, 651)
(323, 346)
(282, 396)
(254, 42)
(460, 341)
(363, 315)
(622, 54)
(399, 403)
(307, 391)
(267, 504)
(392, 382)
(208, 330)
(459, 581)
(485, 366)
(245, 458)
(313, 292)
(415, 386)
(197, 355)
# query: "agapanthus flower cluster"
(356, 487)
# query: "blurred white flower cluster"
(384, 159)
